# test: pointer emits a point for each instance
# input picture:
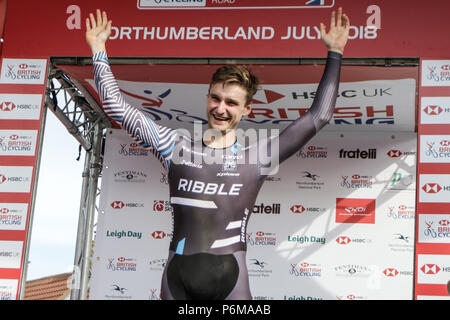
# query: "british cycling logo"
(440, 230)
(401, 212)
(17, 144)
(315, 152)
(154, 294)
(438, 73)
(133, 149)
(122, 264)
(440, 150)
(305, 269)
(24, 71)
(6, 294)
(357, 181)
(13, 215)
(261, 238)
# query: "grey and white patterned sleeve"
(158, 139)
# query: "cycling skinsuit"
(212, 202)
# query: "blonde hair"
(240, 75)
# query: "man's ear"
(247, 109)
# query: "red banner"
(22, 87)
(433, 182)
(219, 28)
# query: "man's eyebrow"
(214, 95)
(228, 100)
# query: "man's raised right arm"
(158, 139)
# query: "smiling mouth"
(220, 118)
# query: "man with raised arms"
(212, 200)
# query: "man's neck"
(220, 139)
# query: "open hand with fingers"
(337, 36)
(98, 31)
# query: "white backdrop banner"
(376, 105)
(339, 226)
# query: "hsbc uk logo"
(298, 209)
(7, 106)
(433, 269)
(433, 188)
(435, 110)
(117, 205)
(395, 153)
(350, 241)
(430, 268)
(159, 235)
(343, 240)
(390, 272)
(394, 272)
(13, 179)
(20, 106)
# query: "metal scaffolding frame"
(86, 121)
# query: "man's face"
(226, 105)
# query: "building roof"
(48, 288)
